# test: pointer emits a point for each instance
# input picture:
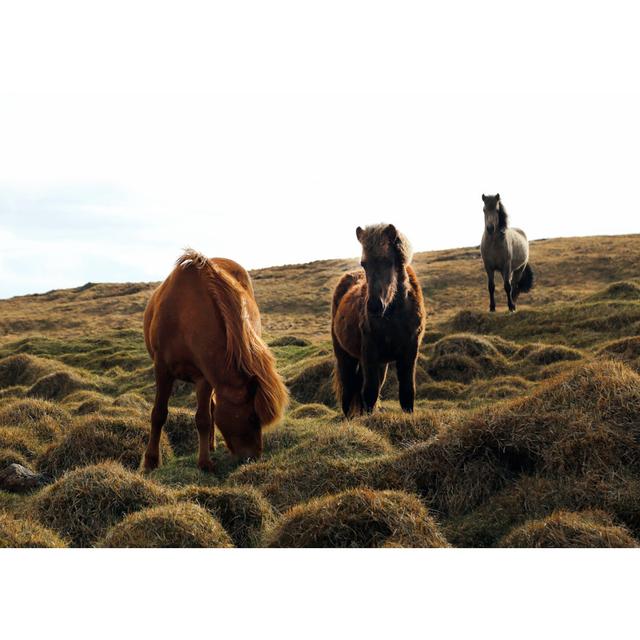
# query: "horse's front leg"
(491, 282)
(506, 276)
(406, 369)
(371, 378)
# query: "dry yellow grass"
(520, 417)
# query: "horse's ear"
(392, 232)
(497, 197)
(484, 198)
(359, 232)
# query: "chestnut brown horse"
(202, 325)
(378, 317)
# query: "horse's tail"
(527, 280)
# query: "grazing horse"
(202, 325)
(505, 250)
(377, 317)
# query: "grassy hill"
(527, 429)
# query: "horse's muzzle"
(490, 229)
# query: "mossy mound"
(83, 402)
(22, 441)
(95, 439)
(40, 419)
(498, 388)
(23, 369)
(443, 390)
(169, 526)
(24, 533)
(180, 428)
(314, 383)
(313, 410)
(464, 357)
(624, 290)
(471, 321)
(288, 483)
(584, 422)
(340, 440)
(358, 518)
(466, 344)
(404, 428)
(57, 385)
(84, 503)
(133, 401)
(10, 456)
(457, 368)
(566, 529)
(289, 341)
(30, 410)
(242, 511)
(536, 497)
(626, 350)
(545, 354)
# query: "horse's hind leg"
(506, 275)
(348, 383)
(164, 385)
(515, 280)
(204, 424)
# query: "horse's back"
(184, 321)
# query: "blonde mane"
(246, 351)
(375, 242)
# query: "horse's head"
(238, 421)
(492, 219)
(385, 252)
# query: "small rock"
(17, 478)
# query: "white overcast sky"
(267, 131)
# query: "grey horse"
(505, 250)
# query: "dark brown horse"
(202, 325)
(378, 317)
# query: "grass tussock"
(313, 410)
(585, 422)
(9, 456)
(314, 383)
(57, 385)
(180, 525)
(566, 529)
(96, 439)
(243, 511)
(358, 518)
(84, 503)
(180, 428)
(407, 428)
(21, 533)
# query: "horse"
(202, 325)
(506, 250)
(377, 317)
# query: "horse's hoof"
(150, 463)
(492, 310)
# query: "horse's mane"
(503, 217)
(374, 240)
(246, 350)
